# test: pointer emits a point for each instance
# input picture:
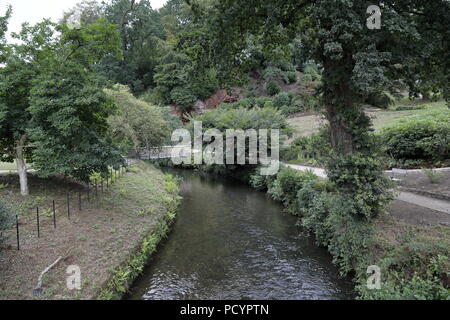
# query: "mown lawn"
(12, 166)
(7, 166)
(307, 125)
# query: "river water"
(231, 242)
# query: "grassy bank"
(110, 239)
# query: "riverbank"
(109, 240)
(409, 243)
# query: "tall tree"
(23, 64)
(136, 124)
(356, 59)
(141, 30)
(3, 29)
(49, 100)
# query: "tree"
(356, 60)
(87, 11)
(52, 108)
(136, 124)
(3, 28)
(23, 64)
(141, 31)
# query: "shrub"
(183, 98)
(380, 100)
(307, 78)
(263, 102)
(312, 72)
(360, 177)
(419, 138)
(416, 269)
(292, 77)
(261, 182)
(311, 149)
(331, 218)
(273, 88)
(287, 184)
(281, 100)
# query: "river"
(231, 242)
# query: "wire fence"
(73, 201)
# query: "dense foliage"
(137, 124)
(52, 107)
(419, 139)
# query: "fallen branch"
(38, 290)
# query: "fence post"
(68, 206)
(17, 229)
(37, 220)
(54, 214)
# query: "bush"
(419, 138)
(416, 269)
(183, 98)
(331, 217)
(312, 72)
(360, 177)
(307, 78)
(380, 100)
(273, 88)
(261, 182)
(243, 119)
(281, 100)
(287, 184)
(292, 77)
(312, 149)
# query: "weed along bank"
(100, 250)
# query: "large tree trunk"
(342, 140)
(21, 166)
(341, 111)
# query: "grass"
(383, 119)
(100, 239)
(11, 166)
(7, 166)
(307, 125)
